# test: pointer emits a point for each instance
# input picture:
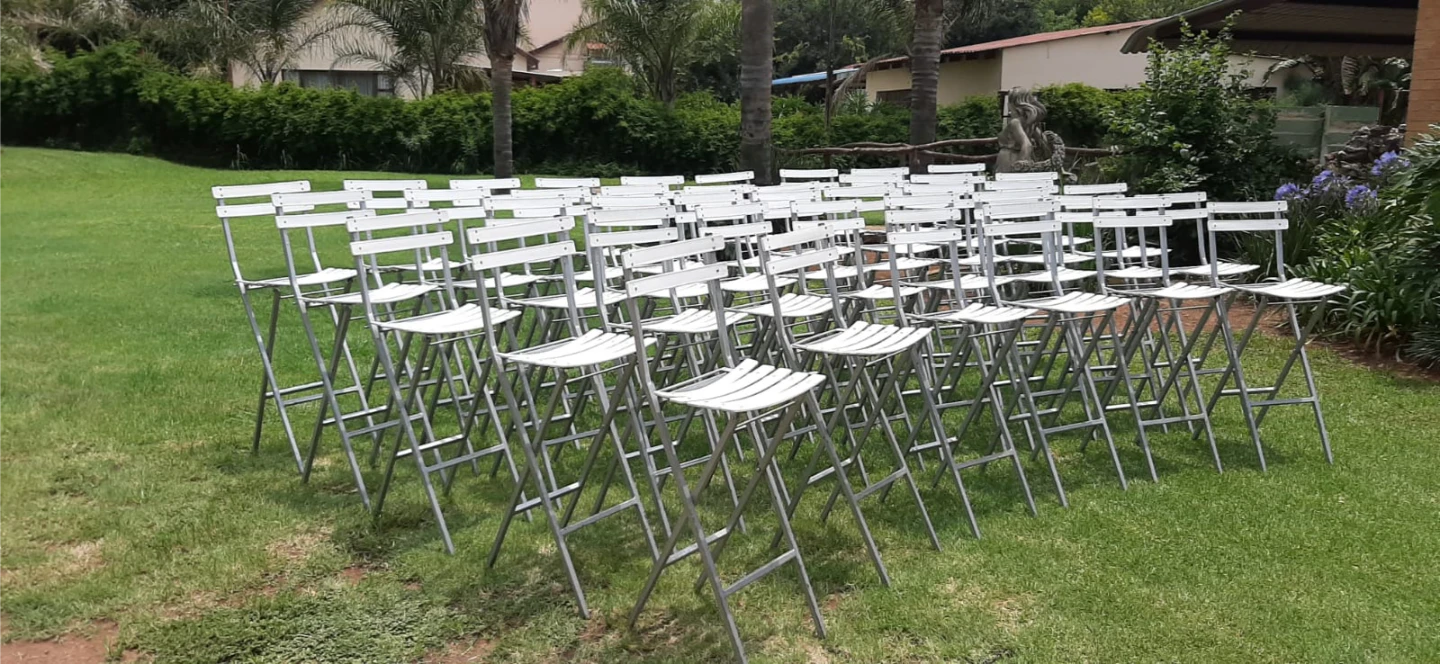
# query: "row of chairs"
(696, 342)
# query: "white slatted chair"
(394, 190)
(594, 355)
(1286, 292)
(746, 394)
(1075, 314)
(1189, 207)
(235, 202)
(441, 339)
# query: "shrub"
(1194, 125)
(1079, 113)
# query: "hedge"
(119, 98)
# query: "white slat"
(1147, 202)
(486, 185)
(720, 178)
(244, 210)
(629, 201)
(671, 251)
(362, 224)
(1020, 210)
(927, 236)
(1096, 189)
(1186, 197)
(623, 238)
(709, 213)
(1224, 225)
(668, 280)
(907, 217)
(740, 230)
(810, 233)
(858, 191)
(1021, 228)
(565, 183)
(945, 178)
(403, 243)
(803, 260)
(662, 180)
(253, 190)
(837, 226)
(1255, 207)
(853, 178)
(528, 228)
(809, 173)
(320, 198)
(1038, 176)
(320, 219)
(384, 185)
(653, 215)
(817, 208)
(889, 170)
(459, 197)
(537, 254)
(957, 168)
(1142, 220)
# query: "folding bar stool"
(978, 168)
(807, 248)
(1190, 207)
(1156, 314)
(986, 334)
(809, 174)
(1268, 216)
(1073, 314)
(594, 354)
(238, 202)
(440, 334)
(747, 394)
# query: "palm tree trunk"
(924, 74)
(757, 69)
(501, 134)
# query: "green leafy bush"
(1079, 113)
(1194, 125)
(121, 98)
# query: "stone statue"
(1024, 145)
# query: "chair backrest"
(1096, 189)
(924, 201)
(723, 195)
(651, 199)
(808, 174)
(957, 168)
(902, 171)
(954, 241)
(517, 205)
(1189, 207)
(240, 201)
(1036, 176)
(1043, 186)
(808, 246)
(646, 190)
(955, 179)
(419, 235)
(683, 263)
(666, 181)
(737, 177)
(1255, 217)
(540, 241)
(490, 187)
(1117, 223)
(959, 188)
(580, 193)
(882, 177)
(878, 191)
(397, 187)
(1001, 222)
(566, 183)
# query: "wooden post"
(1424, 108)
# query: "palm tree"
(502, 30)
(757, 69)
(424, 44)
(87, 24)
(925, 71)
(658, 41)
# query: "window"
(896, 97)
(368, 83)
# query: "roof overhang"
(1377, 28)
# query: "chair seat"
(750, 386)
(691, 321)
(1223, 268)
(967, 282)
(792, 305)
(1183, 291)
(1294, 289)
(883, 292)
(866, 340)
(465, 318)
(903, 264)
(982, 314)
(1136, 272)
(1062, 275)
(593, 347)
(754, 283)
(386, 294)
(607, 273)
(507, 279)
(1077, 303)
(841, 272)
(584, 299)
(328, 275)
(1039, 259)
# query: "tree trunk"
(757, 69)
(500, 84)
(924, 74)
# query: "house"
(1371, 28)
(543, 55)
(1085, 55)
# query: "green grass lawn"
(130, 495)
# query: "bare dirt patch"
(462, 652)
(299, 546)
(87, 648)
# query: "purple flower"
(1287, 191)
(1359, 195)
(1322, 179)
(1388, 161)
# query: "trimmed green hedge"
(118, 98)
